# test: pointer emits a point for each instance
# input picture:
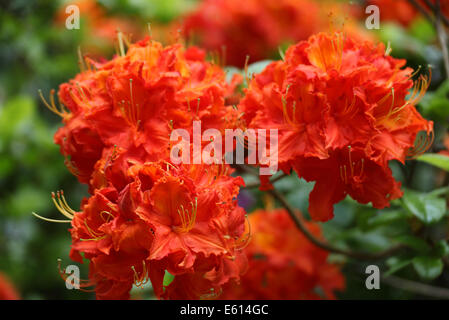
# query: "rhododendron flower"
(283, 264)
(7, 290)
(256, 28)
(402, 11)
(147, 215)
(343, 112)
(102, 28)
(183, 219)
(133, 102)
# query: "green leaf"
(427, 207)
(395, 264)
(435, 105)
(168, 278)
(386, 217)
(15, 114)
(414, 242)
(427, 267)
(442, 248)
(435, 159)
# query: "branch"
(272, 181)
(422, 10)
(322, 244)
(442, 36)
(318, 242)
(417, 287)
(433, 8)
(438, 23)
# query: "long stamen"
(83, 283)
(52, 106)
(50, 220)
(244, 242)
(421, 146)
(187, 218)
(60, 205)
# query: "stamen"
(212, 295)
(422, 144)
(281, 53)
(81, 60)
(120, 42)
(52, 106)
(62, 206)
(110, 216)
(140, 281)
(83, 283)
(50, 220)
(284, 107)
(388, 49)
(246, 70)
(242, 243)
(187, 218)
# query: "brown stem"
(272, 181)
(422, 10)
(322, 244)
(442, 36)
(416, 287)
(318, 242)
(433, 8)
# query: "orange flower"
(133, 102)
(183, 219)
(147, 215)
(341, 110)
(7, 290)
(102, 28)
(235, 29)
(402, 11)
(253, 27)
(283, 264)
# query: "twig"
(319, 243)
(438, 23)
(442, 36)
(422, 10)
(272, 180)
(433, 8)
(416, 287)
(323, 245)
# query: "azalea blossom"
(180, 219)
(343, 111)
(283, 264)
(131, 104)
(7, 289)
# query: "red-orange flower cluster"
(257, 28)
(343, 112)
(7, 289)
(147, 215)
(102, 27)
(283, 264)
(402, 11)
(253, 27)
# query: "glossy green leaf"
(427, 267)
(427, 207)
(437, 160)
